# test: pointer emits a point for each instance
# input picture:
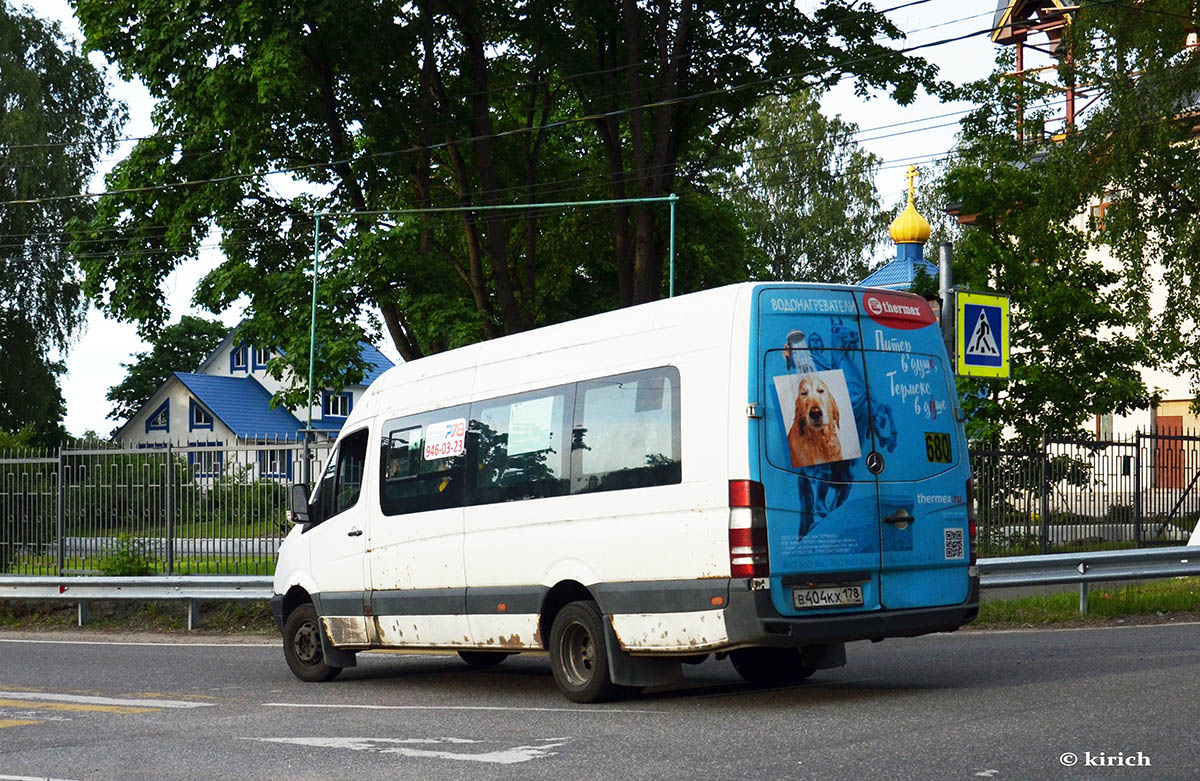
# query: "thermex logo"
(897, 311)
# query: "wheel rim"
(578, 653)
(307, 644)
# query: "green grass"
(1176, 595)
(90, 565)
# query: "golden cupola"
(910, 227)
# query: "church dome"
(910, 227)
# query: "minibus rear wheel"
(770, 665)
(578, 655)
(302, 646)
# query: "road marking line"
(30, 778)
(16, 723)
(507, 756)
(356, 706)
(84, 700)
(74, 707)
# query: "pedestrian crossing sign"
(981, 328)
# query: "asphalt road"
(972, 704)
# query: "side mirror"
(298, 504)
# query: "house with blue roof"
(224, 408)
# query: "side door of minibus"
(920, 454)
(815, 434)
(337, 540)
(415, 550)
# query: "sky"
(94, 359)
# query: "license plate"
(827, 596)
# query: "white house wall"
(218, 365)
(179, 418)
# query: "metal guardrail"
(1089, 567)
(1006, 572)
(192, 588)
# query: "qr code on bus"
(954, 544)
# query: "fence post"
(170, 510)
(62, 510)
(1043, 487)
(306, 472)
(1137, 489)
(1083, 597)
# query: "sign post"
(981, 329)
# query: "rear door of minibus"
(863, 463)
(823, 534)
(921, 455)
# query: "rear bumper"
(751, 619)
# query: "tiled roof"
(242, 405)
(899, 274)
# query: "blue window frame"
(206, 463)
(160, 418)
(275, 463)
(261, 356)
(238, 358)
(336, 405)
(198, 417)
(151, 445)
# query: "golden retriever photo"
(815, 432)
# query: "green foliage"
(127, 557)
(177, 348)
(55, 122)
(808, 196)
(473, 102)
(1081, 326)
(30, 398)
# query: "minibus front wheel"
(302, 646)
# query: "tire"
(483, 658)
(302, 646)
(770, 665)
(579, 656)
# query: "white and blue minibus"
(764, 471)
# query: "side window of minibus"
(422, 460)
(519, 451)
(352, 457)
(341, 484)
(323, 502)
(626, 432)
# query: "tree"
(55, 121)
(176, 348)
(807, 193)
(1083, 323)
(472, 103)
(30, 398)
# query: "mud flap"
(627, 670)
(335, 657)
(824, 657)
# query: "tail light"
(748, 530)
(971, 528)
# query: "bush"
(128, 558)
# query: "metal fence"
(198, 509)
(1069, 495)
(192, 509)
